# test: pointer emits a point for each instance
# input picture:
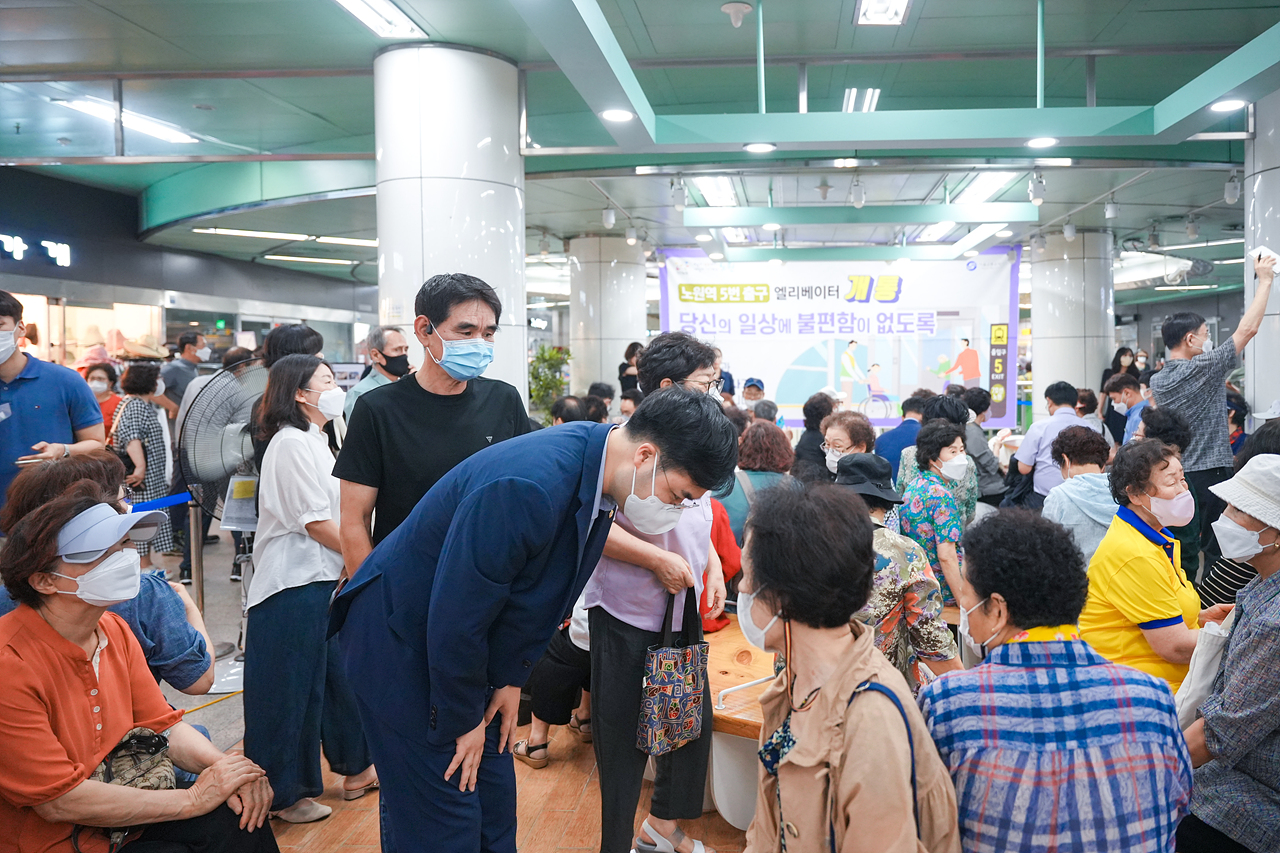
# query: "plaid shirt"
(1238, 793)
(1052, 748)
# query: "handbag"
(1203, 670)
(122, 454)
(675, 678)
(140, 760)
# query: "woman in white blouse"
(296, 698)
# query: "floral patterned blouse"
(966, 490)
(929, 515)
(905, 608)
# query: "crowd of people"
(1056, 641)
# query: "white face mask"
(159, 392)
(98, 386)
(979, 649)
(650, 515)
(1238, 542)
(746, 621)
(203, 353)
(330, 403)
(1121, 408)
(955, 468)
(117, 578)
(1205, 345)
(833, 459)
(8, 344)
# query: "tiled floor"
(558, 809)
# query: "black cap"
(867, 474)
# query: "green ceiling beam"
(944, 252)
(1248, 74)
(1146, 295)
(580, 40)
(881, 214)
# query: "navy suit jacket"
(466, 594)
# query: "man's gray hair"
(377, 339)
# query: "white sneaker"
(305, 810)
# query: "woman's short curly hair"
(1167, 426)
(1081, 445)
(1134, 465)
(1032, 562)
(856, 426)
(811, 553)
(139, 378)
(933, 437)
(765, 447)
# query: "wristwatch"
(66, 450)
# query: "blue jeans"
(296, 696)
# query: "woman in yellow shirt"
(1142, 611)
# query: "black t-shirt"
(628, 383)
(402, 439)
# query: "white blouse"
(296, 487)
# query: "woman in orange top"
(76, 683)
(102, 382)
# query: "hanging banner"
(872, 329)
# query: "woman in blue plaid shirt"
(1051, 747)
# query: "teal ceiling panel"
(878, 214)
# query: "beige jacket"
(861, 766)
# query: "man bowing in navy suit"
(442, 623)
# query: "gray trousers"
(617, 669)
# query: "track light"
(1112, 210)
(1231, 193)
(608, 217)
(678, 197)
(858, 194)
(1039, 243)
(544, 245)
(823, 188)
(1069, 231)
(1193, 230)
(1153, 238)
(1035, 189)
(631, 236)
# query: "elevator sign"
(16, 248)
(998, 370)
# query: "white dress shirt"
(296, 487)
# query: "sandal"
(581, 728)
(523, 750)
(663, 844)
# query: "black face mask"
(397, 365)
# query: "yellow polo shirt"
(1135, 583)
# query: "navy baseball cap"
(758, 383)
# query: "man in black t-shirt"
(405, 436)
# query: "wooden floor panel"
(557, 811)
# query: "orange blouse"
(58, 720)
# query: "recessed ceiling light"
(348, 241)
(1229, 106)
(617, 115)
(716, 256)
(298, 259)
(984, 187)
(717, 190)
(1005, 233)
(776, 262)
(263, 235)
(759, 147)
(936, 232)
(972, 253)
(1042, 142)
(702, 238)
(883, 13)
(385, 18)
(134, 121)
(771, 226)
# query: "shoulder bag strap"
(748, 490)
(897, 703)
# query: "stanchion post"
(195, 539)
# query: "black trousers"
(1196, 836)
(1198, 536)
(617, 669)
(560, 673)
(216, 832)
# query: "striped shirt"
(1052, 748)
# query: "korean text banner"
(873, 330)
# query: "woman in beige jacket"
(840, 770)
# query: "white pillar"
(1073, 324)
(1262, 228)
(451, 185)
(607, 308)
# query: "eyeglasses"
(827, 448)
(128, 494)
(707, 385)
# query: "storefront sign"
(874, 330)
(16, 248)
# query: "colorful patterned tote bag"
(675, 679)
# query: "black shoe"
(212, 539)
(184, 577)
(236, 575)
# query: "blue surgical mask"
(464, 359)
